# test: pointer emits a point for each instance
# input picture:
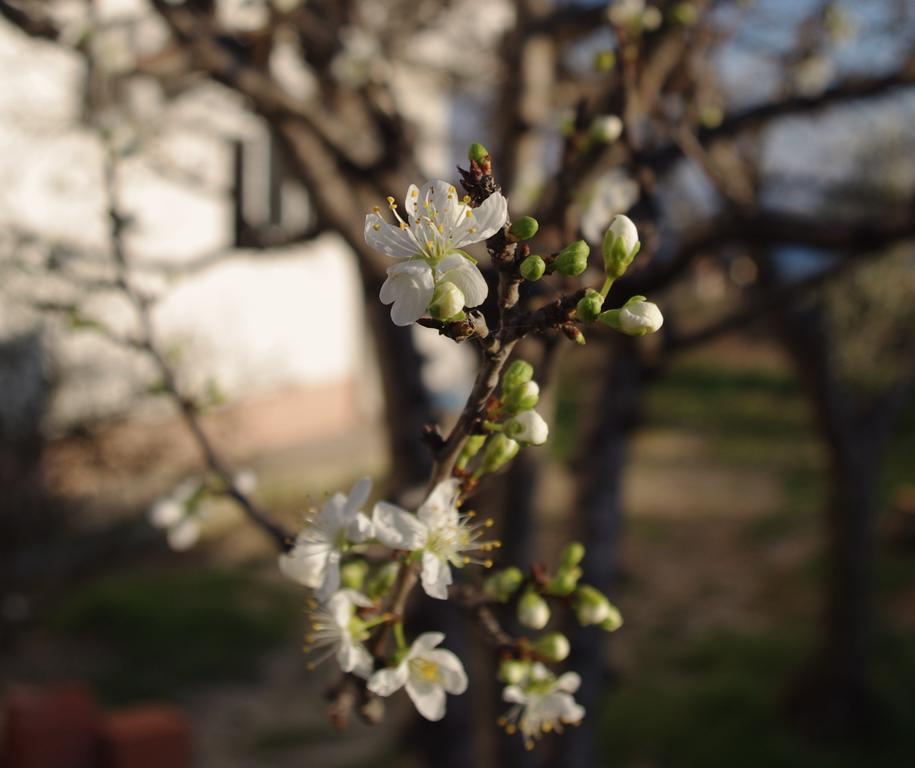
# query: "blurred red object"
(53, 727)
(144, 737)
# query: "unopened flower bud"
(635, 318)
(503, 584)
(564, 582)
(621, 244)
(513, 671)
(524, 228)
(478, 154)
(573, 259)
(353, 573)
(533, 612)
(572, 555)
(523, 397)
(471, 448)
(533, 267)
(614, 621)
(447, 301)
(589, 306)
(498, 452)
(606, 128)
(591, 606)
(553, 647)
(380, 584)
(528, 427)
(517, 373)
(604, 61)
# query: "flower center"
(425, 670)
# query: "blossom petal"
(331, 576)
(439, 508)
(570, 711)
(361, 529)
(513, 694)
(466, 276)
(411, 200)
(390, 240)
(184, 534)
(384, 682)
(436, 576)
(429, 698)
(358, 494)
(410, 287)
(485, 221)
(306, 564)
(454, 678)
(569, 682)
(426, 642)
(341, 608)
(396, 528)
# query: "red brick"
(50, 727)
(145, 737)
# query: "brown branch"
(281, 538)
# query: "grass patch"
(716, 702)
(161, 631)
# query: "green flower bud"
(503, 584)
(513, 671)
(564, 582)
(621, 244)
(471, 448)
(614, 621)
(533, 612)
(572, 555)
(573, 259)
(590, 305)
(353, 573)
(380, 584)
(518, 372)
(524, 228)
(685, 13)
(591, 606)
(477, 153)
(604, 61)
(533, 267)
(498, 452)
(447, 301)
(523, 397)
(553, 647)
(711, 116)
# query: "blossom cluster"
(347, 604)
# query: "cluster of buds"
(542, 699)
(637, 316)
(511, 422)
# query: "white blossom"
(640, 317)
(542, 703)
(177, 516)
(429, 242)
(427, 673)
(315, 558)
(438, 530)
(337, 629)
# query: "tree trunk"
(599, 505)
